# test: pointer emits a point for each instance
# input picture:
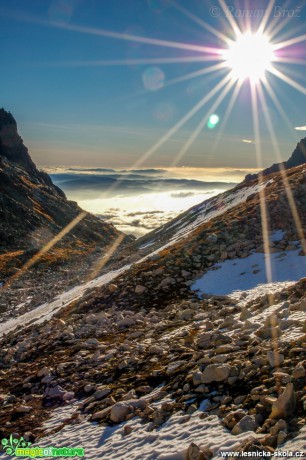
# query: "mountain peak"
(11, 144)
(6, 118)
(297, 158)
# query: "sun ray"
(261, 28)
(169, 133)
(270, 30)
(290, 197)
(197, 73)
(120, 62)
(277, 104)
(202, 123)
(136, 38)
(290, 42)
(46, 248)
(203, 24)
(116, 35)
(287, 79)
(224, 121)
(288, 60)
(109, 251)
(225, 85)
(181, 122)
(230, 19)
(263, 209)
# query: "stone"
(280, 425)
(285, 405)
(232, 418)
(68, 396)
(253, 445)
(275, 359)
(247, 423)
(186, 315)
(299, 371)
(23, 409)
(126, 322)
(55, 392)
(119, 411)
(139, 289)
(281, 437)
(212, 238)
(245, 314)
(171, 369)
(127, 430)
(195, 453)
(45, 371)
(102, 393)
(197, 378)
(112, 288)
(124, 410)
(215, 373)
(101, 414)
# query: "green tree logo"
(10, 445)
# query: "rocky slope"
(146, 345)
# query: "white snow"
(168, 442)
(47, 310)
(277, 235)
(245, 274)
(244, 297)
(208, 210)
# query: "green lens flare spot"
(213, 121)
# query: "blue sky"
(73, 110)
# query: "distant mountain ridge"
(297, 158)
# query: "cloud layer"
(136, 201)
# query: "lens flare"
(213, 121)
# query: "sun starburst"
(255, 57)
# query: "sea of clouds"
(139, 200)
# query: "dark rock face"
(297, 158)
(32, 208)
(11, 144)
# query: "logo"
(21, 448)
(10, 445)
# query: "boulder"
(247, 423)
(119, 411)
(215, 373)
(195, 453)
(101, 393)
(275, 359)
(285, 405)
(299, 371)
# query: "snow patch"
(249, 273)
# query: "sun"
(249, 57)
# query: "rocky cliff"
(32, 209)
(297, 158)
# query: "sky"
(101, 83)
